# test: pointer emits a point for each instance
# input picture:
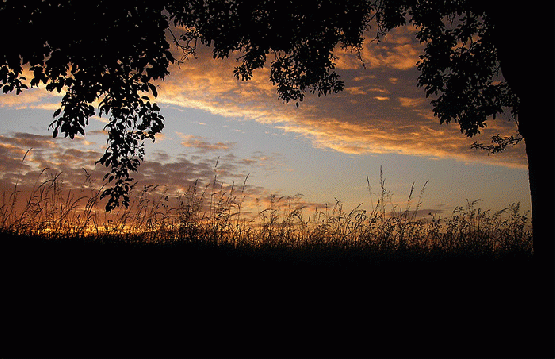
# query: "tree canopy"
(111, 52)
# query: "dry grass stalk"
(215, 213)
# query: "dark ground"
(88, 299)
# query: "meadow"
(201, 273)
(215, 214)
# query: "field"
(198, 276)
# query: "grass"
(215, 215)
(208, 273)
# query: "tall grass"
(219, 214)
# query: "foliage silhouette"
(103, 51)
(467, 44)
(112, 52)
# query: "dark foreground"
(75, 298)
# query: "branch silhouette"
(112, 52)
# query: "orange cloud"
(31, 98)
(356, 121)
(381, 110)
(397, 50)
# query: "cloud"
(356, 90)
(28, 140)
(28, 160)
(380, 111)
(37, 98)
(203, 146)
(397, 50)
(411, 102)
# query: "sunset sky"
(323, 149)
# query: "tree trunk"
(537, 130)
(524, 40)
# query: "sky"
(324, 149)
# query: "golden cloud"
(411, 102)
(397, 50)
(360, 120)
(381, 110)
(32, 98)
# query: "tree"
(467, 43)
(104, 51)
(111, 52)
